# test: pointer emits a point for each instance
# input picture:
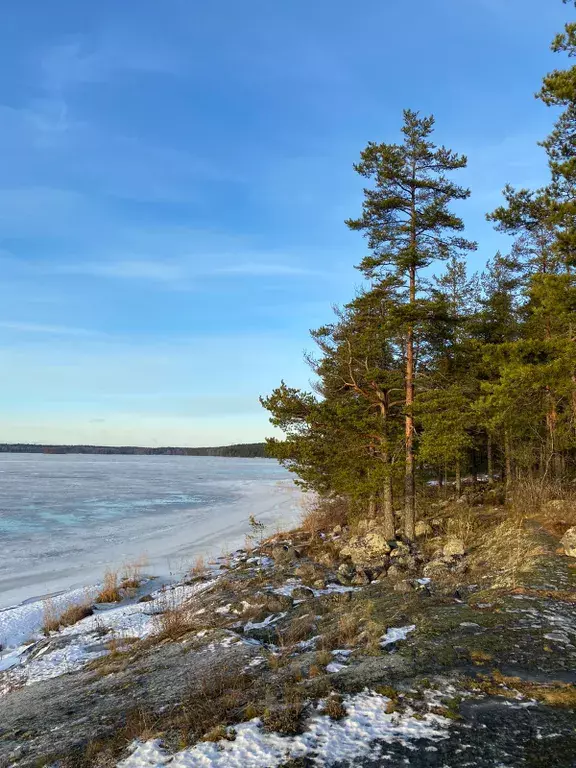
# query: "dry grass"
(301, 628)
(53, 620)
(132, 573)
(334, 707)
(324, 515)
(509, 550)
(174, 622)
(110, 592)
(555, 694)
(323, 658)
(198, 567)
(480, 657)
(217, 702)
(286, 717)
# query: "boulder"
(368, 549)
(377, 542)
(302, 593)
(408, 562)
(404, 586)
(278, 603)
(422, 529)
(454, 546)
(361, 577)
(395, 572)
(283, 554)
(568, 541)
(435, 569)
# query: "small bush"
(198, 567)
(110, 592)
(132, 573)
(285, 719)
(72, 615)
(334, 707)
(324, 515)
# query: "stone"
(377, 542)
(568, 541)
(453, 547)
(278, 603)
(361, 577)
(285, 554)
(404, 586)
(337, 530)
(302, 593)
(395, 572)
(422, 528)
(408, 562)
(435, 569)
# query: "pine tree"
(408, 225)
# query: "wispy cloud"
(77, 61)
(180, 273)
(53, 330)
(254, 269)
(155, 271)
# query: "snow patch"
(324, 742)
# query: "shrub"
(334, 707)
(324, 515)
(72, 615)
(110, 592)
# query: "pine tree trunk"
(507, 464)
(388, 522)
(372, 507)
(551, 422)
(490, 460)
(458, 480)
(409, 478)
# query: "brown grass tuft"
(198, 567)
(53, 621)
(334, 707)
(110, 592)
(324, 515)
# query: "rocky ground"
(331, 647)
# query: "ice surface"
(65, 518)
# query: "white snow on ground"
(396, 633)
(330, 589)
(325, 741)
(23, 622)
(136, 620)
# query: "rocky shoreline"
(456, 654)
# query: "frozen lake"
(65, 518)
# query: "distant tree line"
(424, 375)
(241, 450)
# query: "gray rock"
(278, 603)
(302, 593)
(454, 546)
(568, 541)
(404, 586)
(285, 554)
(361, 577)
(422, 529)
(395, 572)
(435, 569)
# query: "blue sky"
(175, 176)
